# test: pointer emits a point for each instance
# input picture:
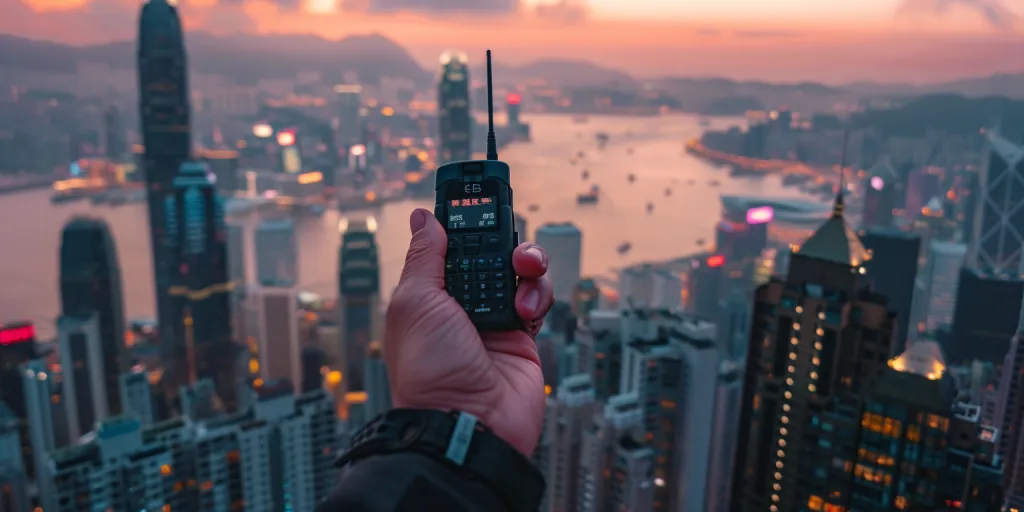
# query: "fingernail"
(536, 253)
(417, 220)
(531, 300)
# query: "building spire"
(838, 206)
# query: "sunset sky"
(785, 40)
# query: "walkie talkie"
(474, 204)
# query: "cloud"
(995, 13)
(437, 6)
(563, 10)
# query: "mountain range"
(245, 59)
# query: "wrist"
(511, 432)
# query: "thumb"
(425, 260)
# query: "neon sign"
(760, 215)
(877, 182)
(716, 261)
(17, 334)
(513, 98)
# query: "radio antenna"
(492, 145)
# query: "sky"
(832, 41)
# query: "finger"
(534, 298)
(530, 261)
(532, 327)
(425, 260)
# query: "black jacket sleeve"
(408, 482)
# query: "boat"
(668, 192)
(714, 183)
(704, 122)
(650, 207)
(700, 242)
(629, 151)
(587, 198)
(65, 197)
(580, 119)
(532, 208)
(624, 247)
(631, 178)
(585, 174)
(572, 161)
(691, 182)
(580, 155)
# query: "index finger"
(530, 261)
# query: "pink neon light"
(877, 183)
(760, 215)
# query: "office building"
(722, 446)
(564, 245)
(14, 490)
(522, 228)
(818, 337)
(280, 350)
(599, 343)
(453, 112)
(985, 317)
(83, 382)
(359, 297)
(90, 282)
(115, 143)
(620, 418)
(1008, 416)
(165, 115)
(740, 237)
(277, 263)
(644, 286)
(706, 281)
(199, 401)
(223, 166)
(996, 246)
(572, 410)
(17, 347)
(37, 383)
(892, 272)
(200, 296)
(734, 326)
(586, 297)
(880, 192)
(942, 279)
(137, 397)
(378, 390)
(923, 183)
(350, 128)
(314, 360)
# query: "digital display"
(473, 213)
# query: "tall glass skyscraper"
(90, 281)
(453, 108)
(359, 297)
(200, 297)
(164, 111)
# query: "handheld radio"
(474, 204)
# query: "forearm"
(408, 481)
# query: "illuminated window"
(165, 470)
(815, 503)
(913, 434)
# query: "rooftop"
(834, 241)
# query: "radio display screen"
(473, 213)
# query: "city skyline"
(885, 40)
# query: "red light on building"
(716, 261)
(513, 98)
(285, 138)
(19, 333)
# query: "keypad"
(476, 277)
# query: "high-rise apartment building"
(817, 340)
(90, 282)
(378, 390)
(564, 244)
(722, 445)
(13, 479)
(1008, 417)
(945, 259)
(83, 382)
(572, 410)
(17, 347)
(137, 397)
(599, 343)
(165, 115)
(200, 297)
(892, 272)
(645, 286)
(277, 262)
(522, 228)
(37, 384)
(456, 121)
(280, 350)
(621, 419)
(358, 297)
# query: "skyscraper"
(621, 417)
(276, 259)
(83, 382)
(17, 347)
(455, 121)
(572, 410)
(164, 111)
(90, 281)
(350, 129)
(278, 335)
(37, 383)
(880, 195)
(998, 237)
(564, 244)
(359, 296)
(200, 297)
(945, 259)
(137, 397)
(377, 388)
(115, 146)
(817, 340)
(892, 271)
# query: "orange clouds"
(42, 6)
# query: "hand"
(438, 360)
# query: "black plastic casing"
(456, 180)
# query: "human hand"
(437, 359)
